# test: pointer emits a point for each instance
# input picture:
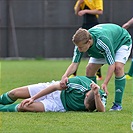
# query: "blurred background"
(44, 28)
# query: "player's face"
(83, 46)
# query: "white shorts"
(121, 55)
(52, 101)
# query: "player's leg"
(24, 92)
(91, 70)
(7, 99)
(120, 83)
(13, 95)
(52, 102)
(34, 107)
(120, 80)
(93, 66)
(99, 74)
(129, 75)
(9, 107)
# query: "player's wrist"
(96, 94)
(64, 76)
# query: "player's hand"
(81, 13)
(63, 82)
(104, 87)
(27, 102)
(94, 88)
(126, 26)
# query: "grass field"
(23, 72)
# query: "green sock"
(93, 78)
(5, 99)
(130, 72)
(119, 89)
(9, 108)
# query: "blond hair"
(81, 35)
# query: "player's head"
(81, 35)
(89, 101)
(82, 39)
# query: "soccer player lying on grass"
(81, 94)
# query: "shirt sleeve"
(106, 48)
(99, 4)
(77, 55)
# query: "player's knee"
(13, 94)
(89, 67)
(24, 108)
(118, 70)
(21, 108)
(88, 70)
(29, 108)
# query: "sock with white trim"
(9, 108)
(5, 99)
(120, 83)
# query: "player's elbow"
(101, 110)
(76, 13)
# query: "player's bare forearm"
(110, 72)
(99, 105)
(128, 24)
(47, 90)
(71, 69)
(93, 12)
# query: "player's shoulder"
(80, 79)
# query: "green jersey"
(73, 97)
(107, 39)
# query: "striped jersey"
(107, 39)
(73, 97)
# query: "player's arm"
(70, 70)
(98, 10)
(109, 74)
(45, 91)
(128, 24)
(98, 102)
(77, 6)
(109, 56)
(99, 105)
(104, 44)
(93, 12)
